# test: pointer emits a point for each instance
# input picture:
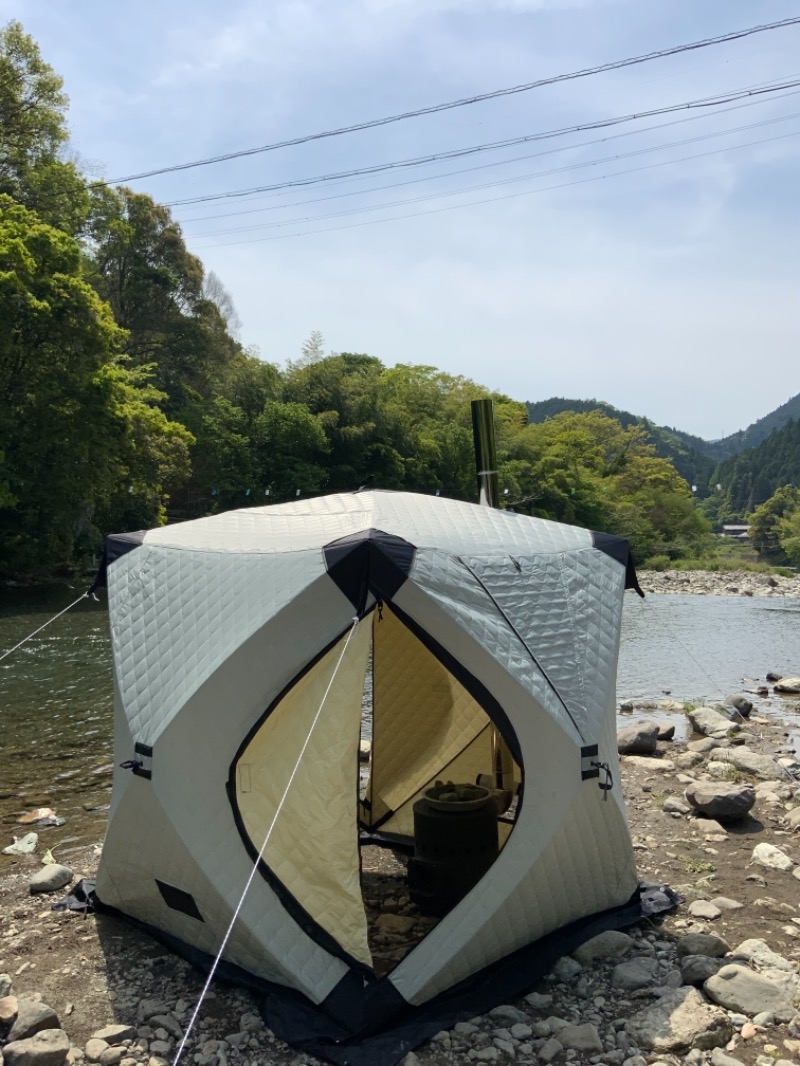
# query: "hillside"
(754, 434)
(687, 453)
(750, 478)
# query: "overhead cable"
(491, 146)
(618, 64)
(506, 196)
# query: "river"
(56, 691)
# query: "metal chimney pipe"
(502, 775)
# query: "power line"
(499, 163)
(463, 102)
(584, 164)
(506, 196)
(491, 146)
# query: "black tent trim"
(369, 561)
(619, 549)
(116, 545)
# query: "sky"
(652, 264)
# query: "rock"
(566, 968)
(50, 878)
(95, 1048)
(719, 1058)
(581, 1037)
(772, 857)
(705, 909)
(666, 732)
(790, 685)
(32, 1018)
(749, 762)
(645, 762)
(168, 1022)
(695, 969)
(687, 760)
(5, 984)
(704, 746)
(8, 1010)
(636, 973)
(723, 801)
(388, 924)
(148, 1008)
(680, 1020)
(540, 1000)
(702, 944)
(761, 954)
(672, 805)
(738, 988)
(708, 722)
(726, 904)
(115, 1034)
(24, 845)
(549, 1049)
(612, 944)
(641, 738)
(506, 1013)
(741, 703)
(46, 1048)
(772, 677)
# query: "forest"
(130, 400)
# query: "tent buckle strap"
(142, 762)
(608, 783)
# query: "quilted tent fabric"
(224, 632)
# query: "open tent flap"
(313, 844)
(426, 725)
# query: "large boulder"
(47, 1048)
(32, 1018)
(788, 685)
(721, 800)
(741, 703)
(749, 762)
(710, 723)
(680, 1020)
(740, 989)
(641, 738)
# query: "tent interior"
(339, 825)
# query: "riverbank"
(597, 1007)
(719, 583)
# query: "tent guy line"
(618, 64)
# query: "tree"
(216, 293)
(74, 422)
(773, 521)
(33, 135)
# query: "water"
(56, 692)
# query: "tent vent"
(179, 900)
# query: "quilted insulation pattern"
(176, 615)
(586, 867)
(573, 628)
(424, 521)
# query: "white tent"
(236, 653)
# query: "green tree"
(767, 530)
(34, 135)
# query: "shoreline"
(100, 971)
(718, 583)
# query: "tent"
(241, 643)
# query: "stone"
(549, 1049)
(8, 1010)
(506, 1013)
(702, 944)
(673, 805)
(702, 747)
(687, 760)
(115, 1034)
(761, 954)
(637, 973)
(790, 685)
(793, 818)
(681, 1019)
(719, 1058)
(168, 1022)
(539, 1000)
(148, 1008)
(521, 1031)
(666, 732)
(641, 738)
(644, 762)
(695, 969)
(749, 762)
(741, 703)
(50, 878)
(738, 988)
(708, 722)
(566, 968)
(726, 904)
(772, 857)
(391, 925)
(32, 1018)
(583, 1037)
(112, 1056)
(612, 944)
(49, 1047)
(705, 909)
(724, 801)
(94, 1049)
(5, 984)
